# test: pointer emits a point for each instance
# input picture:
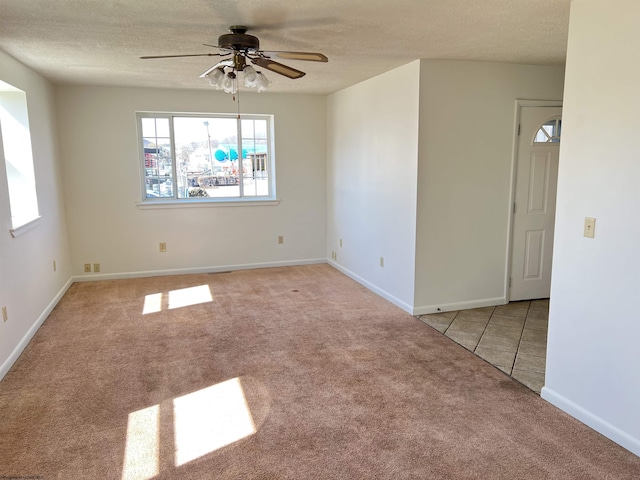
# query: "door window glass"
(549, 132)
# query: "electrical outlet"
(54, 266)
(87, 268)
(334, 256)
(382, 261)
(96, 267)
(163, 247)
(281, 239)
(5, 315)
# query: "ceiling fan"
(240, 48)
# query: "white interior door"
(535, 202)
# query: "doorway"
(533, 214)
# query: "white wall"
(102, 185)
(593, 369)
(467, 118)
(371, 171)
(28, 285)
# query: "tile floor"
(512, 337)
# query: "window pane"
(247, 128)
(157, 163)
(158, 160)
(162, 127)
(541, 137)
(207, 149)
(18, 156)
(261, 129)
(549, 132)
(148, 127)
(255, 149)
(248, 172)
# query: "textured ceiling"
(99, 42)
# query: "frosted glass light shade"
(216, 78)
(262, 82)
(229, 83)
(250, 76)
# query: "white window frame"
(16, 152)
(176, 202)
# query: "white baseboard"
(6, 366)
(450, 307)
(600, 425)
(186, 271)
(375, 289)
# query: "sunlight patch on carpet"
(189, 296)
(177, 299)
(141, 458)
(152, 303)
(209, 419)
(203, 422)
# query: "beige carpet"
(278, 373)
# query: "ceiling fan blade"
(187, 55)
(222, 64)
(204, 74)
(277, 67)
(219, 48)
(306, 56)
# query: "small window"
(15, 150)
(218, 158)
(549, 132)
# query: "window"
(206, 158)
(549, 132)
(15, 149)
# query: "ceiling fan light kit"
(229, 83)
(250, 76)
(216, 77)
(241, 48)
(262, 82)
(255, 79)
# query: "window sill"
(31, 224)
(193, 203)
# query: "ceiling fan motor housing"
(238, 39)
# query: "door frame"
(519, 104)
